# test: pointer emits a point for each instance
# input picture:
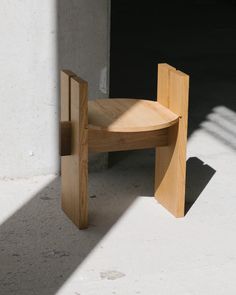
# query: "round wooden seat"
(129, 115)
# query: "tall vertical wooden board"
(66, 194)
(65, 76)
(74, 167)
(79, 121)
(163, 83)
(171, 160)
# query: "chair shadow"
(198, 175)
(40, 247)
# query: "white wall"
(33, 43)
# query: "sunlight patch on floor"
(147, 251)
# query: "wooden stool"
(105, 125)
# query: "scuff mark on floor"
(111, 275)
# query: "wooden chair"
(105, 125)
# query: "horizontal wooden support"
(105, 141)
(65, 138)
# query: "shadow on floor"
(198, 175)
(40, 248)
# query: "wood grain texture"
(124, 124)
(74, 168)
(163, 83)
(106, 141)
(65, 161)
(65, 138)
(170, 171)
(65, 76)
(129, 115)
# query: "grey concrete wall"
(83, 41)
(84, 46)
(38, 38)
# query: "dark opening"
(198, 37)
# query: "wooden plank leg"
(170, 170)
(74, 167)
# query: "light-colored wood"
(163, 81)
(129, 115)
(65, 94)
(79, 120)
(173, 88)
(65, 137)
(74, 168)
(123, 124)
(65, 76)
(66, 203)
(106, 141)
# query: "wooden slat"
(74, 168)
(65, 135)
(105, 141)
(163, 83)
(171, 160)
(79, 120)
(65, 161)
(65, 94)
(65, 76)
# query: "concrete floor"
(133, 245)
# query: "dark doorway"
(198, 37)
